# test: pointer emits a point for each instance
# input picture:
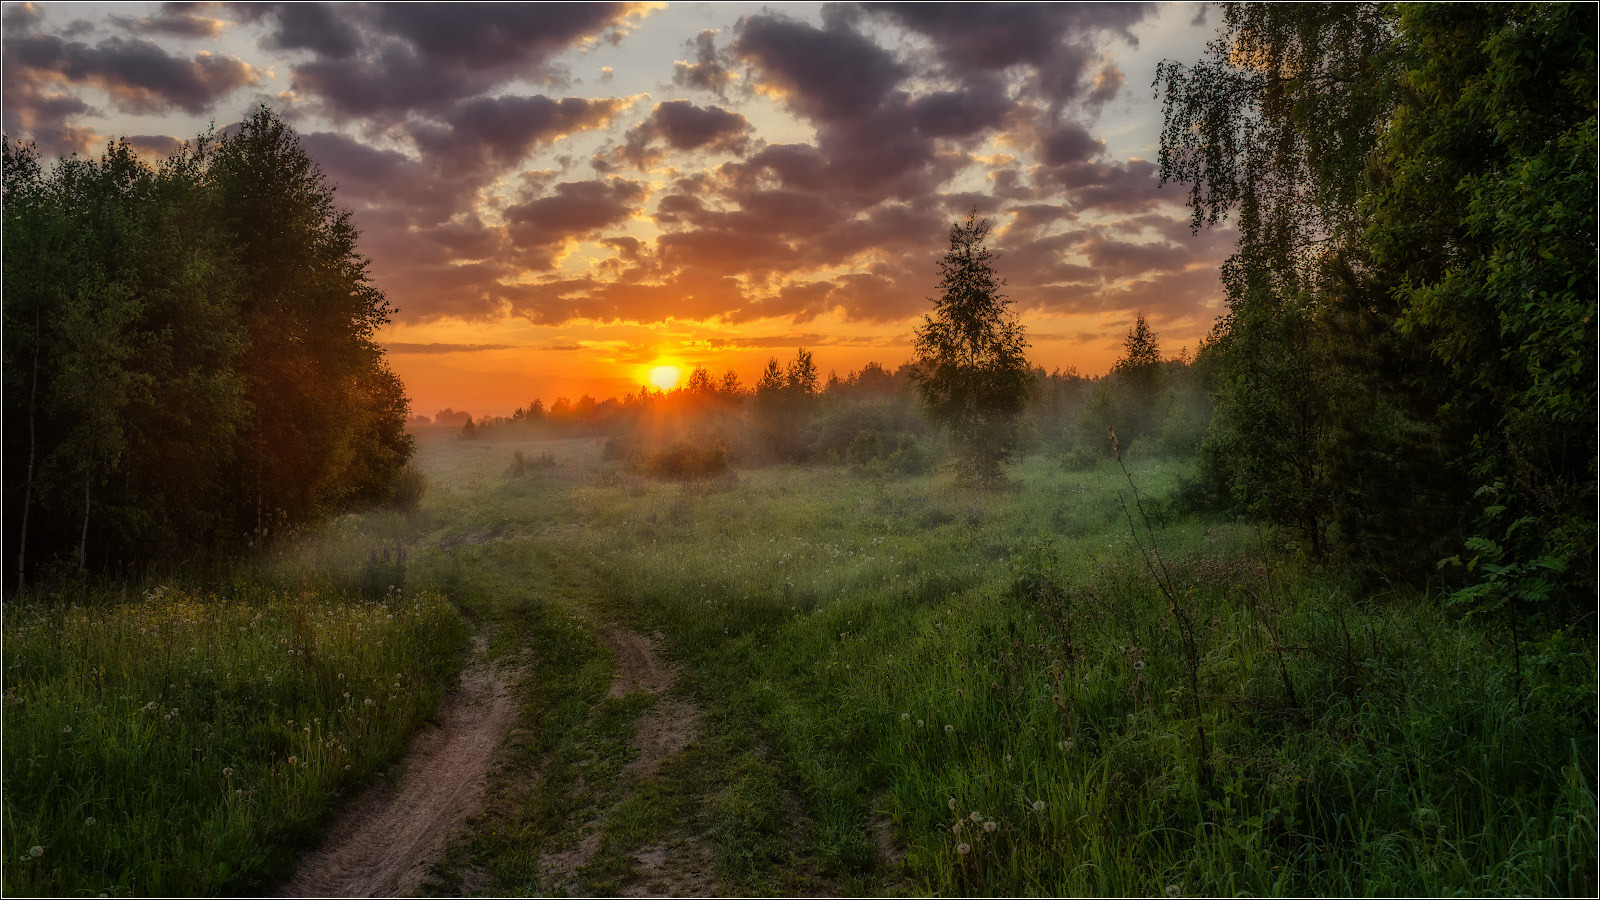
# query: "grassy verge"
(185, 743)
(999, 675)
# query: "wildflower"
(36, 851)
(293, 760)
(956, 828)
(919, 723)
(949, 728)
(952, 804)
(963, 848)
(227, 772)
(989, 827)
(905, 716)
(976, 816)
(1038, 806)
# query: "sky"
(558, 199)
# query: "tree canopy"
(1405, 372)
(189, 353)
(969, 353)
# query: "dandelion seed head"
(963, 848)
(989, 826)
(36, 851)
(1038, 806)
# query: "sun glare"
(664, 377)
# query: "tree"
(1483, 220)
(969, 352)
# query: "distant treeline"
(189, 354)
(875, 417)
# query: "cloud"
(403, 347)
(139, 75)
(385, 61)
(178, 20)
(683, 126)
(823, 74)
(707, 72)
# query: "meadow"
(909, 686)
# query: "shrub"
(683, 461)
(409, 487)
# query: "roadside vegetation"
(183, 741)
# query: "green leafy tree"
(327, 425)
(1483, 219)
(971, 369)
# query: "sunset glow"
(555, 199)
(664, 377)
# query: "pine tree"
(970, 364)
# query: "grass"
(951, 659)
(992, 677)
(182, 742)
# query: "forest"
(1308, 608)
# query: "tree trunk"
(33, 443)
(83, 539)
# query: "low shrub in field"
(522, 464)
(685, 462)
(185, 743)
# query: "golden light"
(664, 377)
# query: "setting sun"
(664, 377)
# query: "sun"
(664, 377)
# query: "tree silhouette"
(970, 364)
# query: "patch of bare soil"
(680, 869)
(683, 867)
(385, 843)
(638, 668)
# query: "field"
(883, 684)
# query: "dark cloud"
(539, 227)
(387, 60)
(707, 72)
(181, 20)
(140, 76)
(497, 132)
(681, 125)
(326, 29)
(987, 37)
(1070, 143)
(824, 74)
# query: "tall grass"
(998, 674)
(184, 743)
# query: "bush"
(910, 456)
(522, 465)
(409, 487)
(866, 448)
(1076, 457)
(685, 462)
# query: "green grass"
(928, 653)
(870, 652)
(187, 743)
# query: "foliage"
(1484, 221)
(1410, 307)
(185, 742)
(683, 461)
(969, 353)
(189, 358)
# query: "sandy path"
(385, 843)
